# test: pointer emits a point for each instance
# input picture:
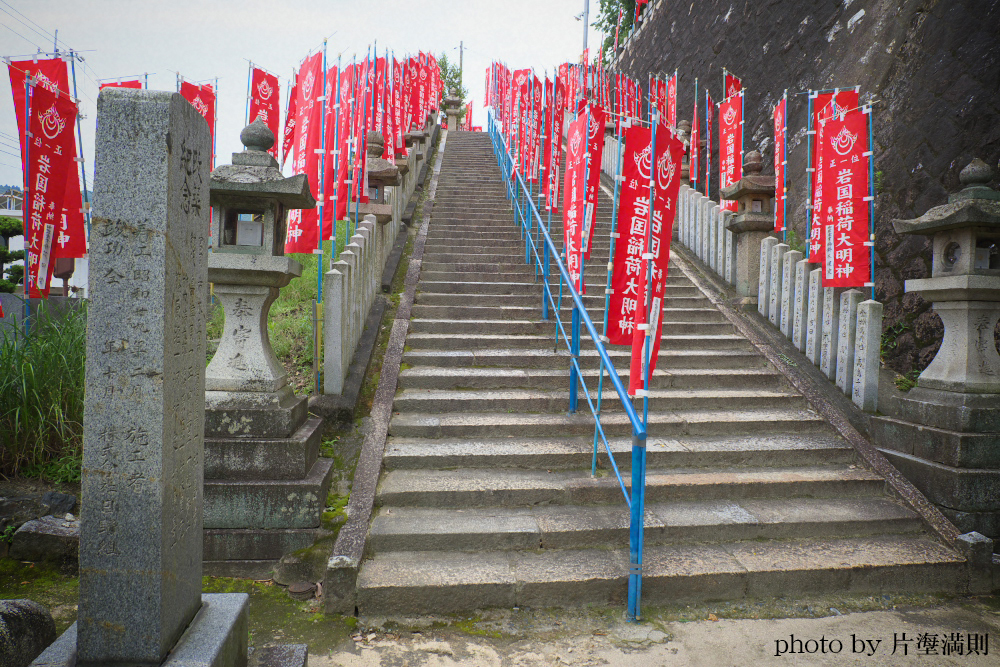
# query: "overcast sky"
(208, 39)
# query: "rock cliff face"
(933, 66)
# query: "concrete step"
(661, 424)
(542, 327)
(677, 522)
(531, 341)
(508, 357)
(464, 488)
(780, 450)
(551, 401)
(531, 303)
(434, 377)
(440, 582)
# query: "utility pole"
(461, 52)
(586, 25)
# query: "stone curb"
(339, 585)
(824, 397)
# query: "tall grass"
(41, 394)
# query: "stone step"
(678, 522)
(780, 450)
(660, 425)
(464, 488)
(499, 357)
(554, 401)
(595, 278)
(441, 582)
(542, 327)
(668, 341)
(433, 377)
(531, 303)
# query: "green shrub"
(41, 396)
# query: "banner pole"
(249, 78)
(810, 130)
(79, 140)
(25, 205)
(693, 168)
(784, 170)
(708, 144)
(869, 110)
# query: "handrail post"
(575, 353)
(545, 281)
(636, 526)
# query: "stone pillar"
(720, 243)
(789, 264)
(831, 331)
(867, 344)
(801, 304)
(776, 270)
(730, 241)
(814, 318)
(710, 236)
(849, 301)
(763, 275)
(753, 221)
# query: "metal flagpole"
(867, 109)
(320, 204)
(784, 168)
(79, 139)
(810, 131)
(215, 121)
(249, 78)
(708, 143)
(24, 203)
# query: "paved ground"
(544, 638)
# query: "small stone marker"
(730, 240)
(141, 537)
(814, 318)
(801, 305)
(849, 301)
(789, 279)
(774, 298)
(711, 231)
(868, 338)
(764, 276)
(720, 244)
(831, 332)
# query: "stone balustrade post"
(764, 275)
(800, 307)
(814, 318)
(789, 265)
(776, 266)
(849, 301)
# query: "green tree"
(607, 22)
(452, 76)
(9, 228)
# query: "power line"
(37, 28)
(22, 36)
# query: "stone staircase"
(486, 497)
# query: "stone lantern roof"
(254, 172)
(753, 181)
(381, 172)
(976, 205)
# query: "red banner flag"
(202, 98)
(135, 84)
(669, 152)
(398, 122)
(844, 217)
(303, 235)
(730, 145)
(50, 158)
(574, 188)
(71, 234)
(824, 105)
(670, 99)
(709, 112)
(264, 94)
(288, 137)
(733, 85)
(695, 151)
(595, 151)
(780, 161)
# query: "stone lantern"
(452, 106)
(964, 286)
(382, 174)
(944, 434)
(754, 220)
(247, 387)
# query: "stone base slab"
(264, 458)
(959, 489)
(269, 504)
(242, 543)
(970, 413)
(230, 414)
(951, 448)
(217, 637)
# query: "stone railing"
(609, 160)
(836, 328)
(350, 287)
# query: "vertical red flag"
(398, 122)
(694, 163)
(554, 157)
(202, 98)
(733, 85)
(50, 157)
(345, 116)
(546, 135)
(71, 234)
(668, 155)
(574, 188)
(134, 84)
(595, 151)
(780, 133)
(709, 112)
(844, 216)
(823, 106)
(730, 145)
(264, 94)
(303, 235)
(288, 134)
(671, 95)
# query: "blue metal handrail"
(527, 213)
